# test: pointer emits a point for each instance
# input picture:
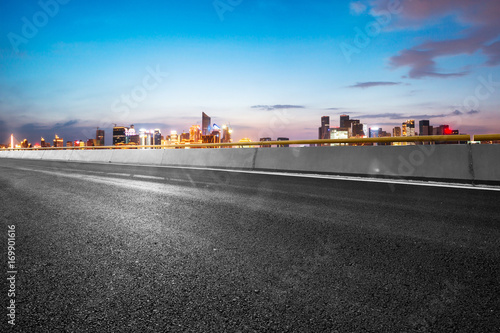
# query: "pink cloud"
(483, 28)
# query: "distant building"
(195, 134)
(44, 144)
(99, 137)
(324, 130)
(265, 139)
(338, 133)
(344, 121)
(227, 134)
(423, 127)
(119, 135)
(206, 128)
(283, 139)
(58, 142)
(357, 129)
(157, 137)
(69, 143)
(396, 131)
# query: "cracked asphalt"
(120, 248)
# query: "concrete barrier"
(57, 155)
(486, 162)
(436, 161)
(137, 156)
(464, 163)
(33, 154)
(230, 158)
(103, 156)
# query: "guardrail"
(423, 138)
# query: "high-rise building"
(157, 137)
(357, 129)
(58, 142)
(99, 137)
(423, 127)
(226, 134)
(343, 119)
(408, 128)
(324, 130)
(195, 134)
(43, 143)
(119, 135)
(206, 128)
(396, 131)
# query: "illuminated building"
(195, 134)
(283, 139)
(99, 137)
(58, 142)
(184, 137)
(246, 140)
(69, 143)
(265, 139)
(396, 131)
(25, 144)
(119, 135)
(90, 143)
(44, 144)
(205, 124)
(173, 138)
(226, 134)
(408, 129)
(338, 133)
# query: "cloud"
(357, 7)
(364, 85)
(482, 30)
(397, 116)
(278, 106)
(66, 124)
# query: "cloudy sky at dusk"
(266, 67)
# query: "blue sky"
(269, 68)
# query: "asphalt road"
(109, 248)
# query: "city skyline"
(269, 68)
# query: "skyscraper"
(206, 128)
(343, 119)
(157, 137)
(99, 137)
(119, 135)
(324, 130)
(58, 142)
(195, 133)
(422, 130)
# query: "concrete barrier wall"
(435, 161)
(486, 162)
(213, 158)
(465, 163)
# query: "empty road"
(108, 248)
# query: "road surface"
(108, 248)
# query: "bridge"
(299, 239)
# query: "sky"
(268, 68)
